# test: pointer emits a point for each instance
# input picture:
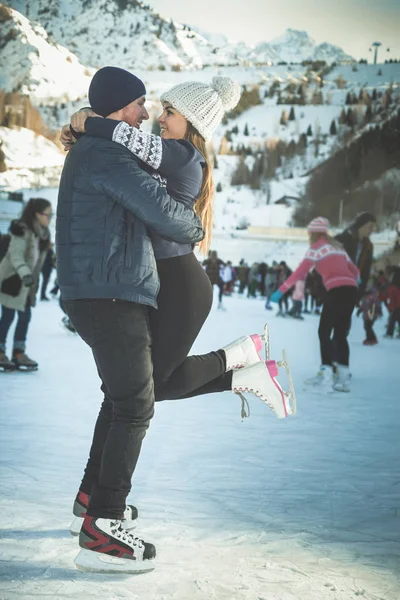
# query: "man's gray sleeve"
(121, 178)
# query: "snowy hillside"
(31, 63)
(32, 161)
(132, 35)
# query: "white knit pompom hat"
(204, 105)
(318, 225)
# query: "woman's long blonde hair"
(204, 203)
(316, 235)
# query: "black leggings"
(184, 302)
(336, 314)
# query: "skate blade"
(290, 395)
(265, 338)
(97, 562)
(23, 369)
(75, 527)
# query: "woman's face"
(44, 217)
(173, 124)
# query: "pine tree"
(241, 176)
(219, 187)
(246, 130)
(350, 119)
(333, 129)
(374, 95)
(368, 114)
(309, 130)
(291, 114)
(342, 117)
(348, 98)
(284, 118)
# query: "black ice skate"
(106, 547)
(22, 362)
(128, 520)
(5, 363)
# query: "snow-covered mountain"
(297, 46)
(33, 64)
(130, 34)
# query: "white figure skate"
(260, 380)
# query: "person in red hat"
(340, 278)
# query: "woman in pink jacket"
(340, 278)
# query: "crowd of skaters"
(377, 287)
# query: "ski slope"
(300, 509)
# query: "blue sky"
(351, 24)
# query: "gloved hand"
(27, 280)
(276, 296)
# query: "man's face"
(366, 230)
(135, 112)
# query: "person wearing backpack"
(19, 278)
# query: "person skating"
(356, 242)
(108, 279)
(19, 279)
(371, 309)
(48, 266)
(340, 277)
(393, 303)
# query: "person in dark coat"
(47, 268)
(356, 242)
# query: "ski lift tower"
(376, 44)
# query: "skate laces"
(122, 534)
(245, 412)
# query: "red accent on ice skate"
(274, 372)
(83, 499)
(257, 342)
(102, 542)
(272, 368)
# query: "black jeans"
(369, 331)
(118, 333)
(336, 314)
(21, 330)
(393, 319)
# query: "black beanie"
(362, 219)
(113, 88)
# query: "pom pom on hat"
(204, 105)
(228, 90)
(113, 88)
(318, 225)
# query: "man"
(212, 266)
(356, 242)
(108, 278)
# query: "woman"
(179, 160)
(340, 278)
(19, 278)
